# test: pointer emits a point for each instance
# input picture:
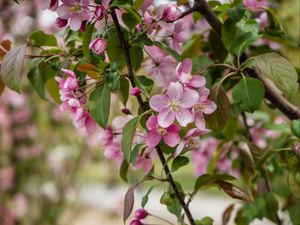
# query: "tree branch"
(272, 94)
(145, 107)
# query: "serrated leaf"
(12, 67)
(248, 93)
(127, 137)
(128, 203)
(179, 162)
(278, 70)
(99, 105)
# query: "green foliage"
(127, 137)
(278, 70)
(144, 83)
(205, 221)
(168, 50)
(211, 179)
(179, 162)
(295, 127)
(12, 67)
(87, 38)
(237, 12)
(248, 93)
(39, 38)
(123, 170)
(99, 105)
(124, 90)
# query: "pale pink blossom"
(7, 176)
(75, 10)
(170, 134)
(175, 104)
(171, 13)
(49, 4)
(183, 72)
(98, 46)
(100, 12)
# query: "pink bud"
(171, 13)
(53, 5)
(100, 12)
(83, 26)
(141, 214)
(126, 111)
(98, 46)
(135, 91)
(136, 222)
(60, 23)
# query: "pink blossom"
(190, 140)
(136, 222)
(100, 12)
(160, 66)
(170, 12)
(204, 106)
(256, 5)
(98, 46)
(144, 160)
(20, 205)
(7, 176)
(141, 214)
(75, 10)
(50, 4)
(170, 135)
(183, 72)
(135, 91)
(60, 23)
(175, 104)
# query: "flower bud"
(98, 46)
(171, 13)
(60, 23)
(135, 91)
(83, 26)
(141, 214)
(100, 12)
(53, 5)
(136, 222)
(126, 111)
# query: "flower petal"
(166, 117)
(189, 98)
(184, 117)
(197, 81)
(63, 11)
(171, 139)
(153, 138)
(199, 120)
(75, 23)
(208, 106)
(184, 67)
(175, 90)
(152, 123)
(158, 102)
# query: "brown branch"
(272, 94)
(145, 107)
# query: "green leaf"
(265, 156)
(130, 20)
(123, 170)
(12, 67)
(124, 90)
(36, 80)
(295, 127)
(237, 12)
(39, 38)
(135, 153)
(217, 47)
(127, 137)
(146, 196)
(52, 88)
(99, 105)
(179, 162)
(144, 83)
(248, 93)
(278, 70)
(218, 119)
(192, 47)
(128, 203)
(137, 56)
(233, 191)
(208, 179)
(205, 221)
(87, 38)
(114, 49)
(168, 50)
(273, 28)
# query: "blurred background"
(52, 173)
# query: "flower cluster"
(185, 101)
(74, 101)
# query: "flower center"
(199, 108)
(75, 9)
(161, 131)
(192, 144)
(174, 104)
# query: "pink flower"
(100, 12)
(183, 72)
(256, 5)
(98, 46)
(175, 104)
(191, 140)
(75, 10)
(170, 135)
(160, 66)
(171, 12)
(52, 4)
(141, 214)
(144, 161)
(60, 23)
(204, 106)
(135, 91)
